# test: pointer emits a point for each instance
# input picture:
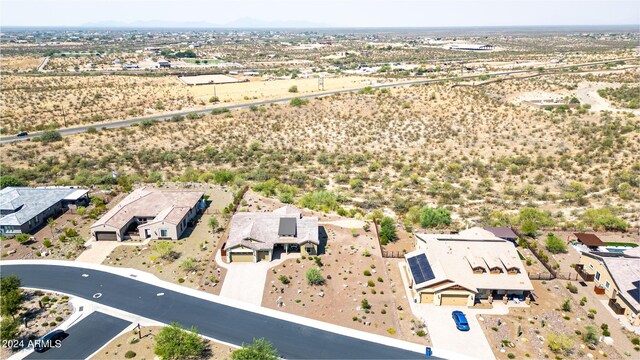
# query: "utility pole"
(64, 116)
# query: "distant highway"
(167, 116)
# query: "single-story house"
(150, 214)
(616, 275)
(589, 240)
(461, 269)
(253, 236)
(24, 209)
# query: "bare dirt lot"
(144, 348)
(354, 272)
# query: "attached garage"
(263, 256)
(106, 236)
(426, 298)
(455, 299)
(241, 257)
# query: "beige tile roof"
(259, 230)
(452, 257)
(163, 205)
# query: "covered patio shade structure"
(590, 240)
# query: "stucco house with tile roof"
(617, 276)
(253, 236)
(24, 209)
(463, 268)
(149, 214)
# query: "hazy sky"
(344, 13)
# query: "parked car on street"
(22, 133)
(461, 320)
(52, 339)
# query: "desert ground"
(144, 348)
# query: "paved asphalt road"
(221, 322)
(163, 117)
(85, 337)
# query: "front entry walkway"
(245, 280)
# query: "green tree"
(52, 225)
(260, 349)
(174, 342)
(8, 180)
(10, 296)
(434, 217)
(387, 231)
(314, 277)
(531, 219)
(554, 244)
(9, 329)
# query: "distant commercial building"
(164, 64)
(24, 209)
(471, 47)
(149, 214)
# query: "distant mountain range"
(244, 23)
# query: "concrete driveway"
(443, 332)
(445, 335)
(245, 281)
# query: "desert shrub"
(320, 200)
(174, 342)
(297, 102)
(284, 279)
(22, 238)
(293, 89)
(434, 217)
(47, 243)
(8, 180)
(603, 218)
(50, 136)
(421, 333)
(129, 354)
(624, 96)
(559, 343)
(572, 288)
(9, 328)
(218, 111)
(590, 335)
(554, 244)
(367, 273)
(314, 277)
(566, 305)
(365, 304)
(260, 349)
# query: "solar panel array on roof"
(420, 268)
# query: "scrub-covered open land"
(474, 150)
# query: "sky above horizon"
(326, 13)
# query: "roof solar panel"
(420, 268)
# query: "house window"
(164, 232)
(598, 275)
(607, 285)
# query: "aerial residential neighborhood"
(243, 180)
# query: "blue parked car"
(461, 321)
